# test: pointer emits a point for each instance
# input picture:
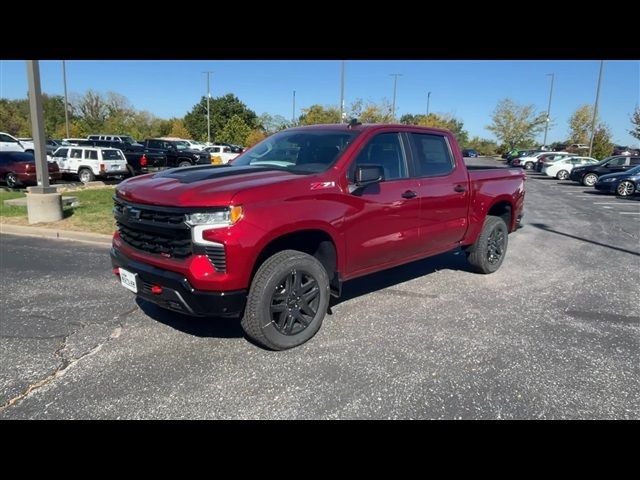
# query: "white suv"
(91, 162)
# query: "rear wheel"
(12, 180)
(590, 179)
(85, 175)
(626, 188)
(528, 165)
(487, 254)
(562, 175)
(287, 301)
(184, 163)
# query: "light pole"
(395, 82)
(44, 203)
(546, 128)
(595, 108)
(208, 73)
(342, 92)
(428, 99)
(293, 114)
(66, 100)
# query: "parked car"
(220, 154)
(233, 148)
(522, 154)
(561, 169)
(470, 152)
(115, 138)
(549, 158)
(623, 184)
(190, 144)
(91, 162)
(272, 237)
(527, 161)
(577, 147)
(19, 168)
(588, 175)
(177, 152)
(139, 161)
(9, 143)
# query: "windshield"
(634, 171)
(309, 151)
(128, 140)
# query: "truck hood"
(201, 186)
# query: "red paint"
(373, 231)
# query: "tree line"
(232, 121)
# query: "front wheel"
(590, 179)
(528, 165)
(626, 188)
(487, 254)
(562, 175)
(287, 301)
(184, 163)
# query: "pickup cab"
(270, 237)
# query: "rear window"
(111, 155)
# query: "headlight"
(219, 218)
(609, 179)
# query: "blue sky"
(467, 89)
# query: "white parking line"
(629, 213)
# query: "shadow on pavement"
(455, 260)
(198, 326)
(546, 228)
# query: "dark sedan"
(589, 174)
(19, 168)
(624, 184)
(470, 153)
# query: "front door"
(384, 218)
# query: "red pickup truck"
(270, 237)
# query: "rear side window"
(432, 155)
(111, 155)
(91, 154)
(155, 144)
(635, 161)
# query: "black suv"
(177, 152)
(589, 174)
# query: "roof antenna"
(353, 122)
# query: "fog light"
(156, 289)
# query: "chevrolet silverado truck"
(271, 236)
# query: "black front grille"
(152, 229)
(174, 243)
(217, 258)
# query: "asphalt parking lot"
(554, 334)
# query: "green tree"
(602, 144)
(580, 124)
(235, 131)
(222, 110)
(411, 119)
(448, 122)
(316, 114)
(371, 112)
(635, 120)
(514, 124)
(178, 129)
(254, 137)
(482, 145)
(272, 123)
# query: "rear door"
(384, 225)
(442, 189)
(74, 160)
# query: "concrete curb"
(86, 237)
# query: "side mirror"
(368, 174)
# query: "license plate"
(128, 280)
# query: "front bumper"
(177, 293)
(609, 187)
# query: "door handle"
(460, 188)
(409, 194)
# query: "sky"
(469, 90)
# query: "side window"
(76, 153)
(91, 154)
(385, 150)
(635, 161)
(62, 152)
(153, 144)
(616, 162)
(6, 138)
(432, 155)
